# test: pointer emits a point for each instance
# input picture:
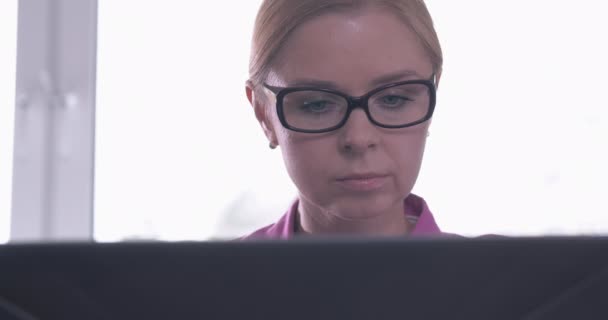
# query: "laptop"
(331, 278)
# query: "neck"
(312, 219)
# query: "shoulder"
(267, 232)
(282, 229)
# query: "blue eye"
(315, 107)
(394, 101)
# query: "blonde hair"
(277, 19)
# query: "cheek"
(411, 152)
(406, 154)
(308, 162)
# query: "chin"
(363, 207)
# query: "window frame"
(54, 121)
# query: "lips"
(359, 176)
(363, 181)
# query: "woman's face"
(353, 53)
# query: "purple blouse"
(415, 208)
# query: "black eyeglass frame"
(354, 103)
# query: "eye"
(394, 101)
(316, 106)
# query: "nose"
(358, 134)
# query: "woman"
(346, 89)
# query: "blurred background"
(127, 120)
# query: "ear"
(261, 113)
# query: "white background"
(176, 139)
(8, 51)
(517, 145)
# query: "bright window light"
(178, 146)
(8, 51)
(517, 145)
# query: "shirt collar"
(413, 205)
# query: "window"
(8, 51)
(517, 144)
(177, 144)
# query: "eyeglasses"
(316, 110)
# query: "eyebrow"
(384, 79)
(395, 76)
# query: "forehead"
(351, 50)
